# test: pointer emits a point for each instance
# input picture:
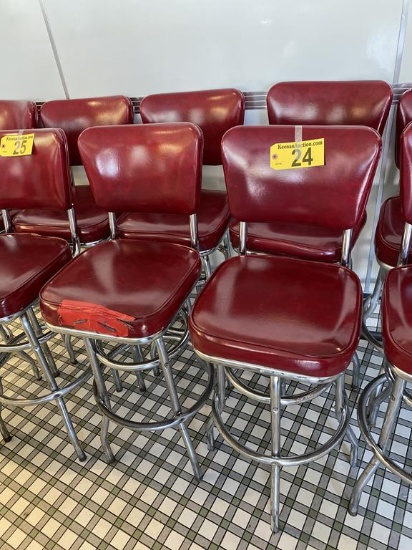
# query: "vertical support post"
(184, 432)
(275, 413)
(102, 394)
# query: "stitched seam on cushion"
(261, 347)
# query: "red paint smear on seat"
(92, 317)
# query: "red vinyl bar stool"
(131, 291)
(214, 111)
(15, 115)
(73, 116)
(292, 320)
(389, 388)
(389, 229)
(28, 261)
(359, 102)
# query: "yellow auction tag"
(297, 154)
(16, 145)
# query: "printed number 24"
(20, 147)
(307, 157)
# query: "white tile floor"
(149, 499)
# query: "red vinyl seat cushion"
(213, 218)
(291, 315)
(295, 240)
(92, 221)
(27, 262)
(128, 288)
(397, 318)
(389, 231)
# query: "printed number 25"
(20, 147)
(307, 157)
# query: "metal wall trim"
(54, 49)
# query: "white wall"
(138, 47)
(28, 67)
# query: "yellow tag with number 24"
(301, 154)
(16, 145)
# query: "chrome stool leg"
(184, 432)
(38, 332)
(355, 371)
(380, 395)
(349, 435)
(275, 413)
(101, 394)
(373, 336)
(207, 266)
(47, 372)
(220, 390)
(226, 246)
(117, 382)
(138, 356)
(67, 341)
(372, 301)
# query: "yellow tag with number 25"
(301, 154)
(16, 145)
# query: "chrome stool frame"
(156, 295)
(99, 359)
(276, 401)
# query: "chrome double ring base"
(277, 399)
(179, 418)
(159, 356)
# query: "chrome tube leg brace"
(349, 435)
(47, 372)
(383, 442)
(275, 414)
(184, 432)
(102, 395)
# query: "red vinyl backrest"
(39, 180)
(75, 115)
(215, 111)
(347, 102)
(144, 168)
(403, 118)
(333, 196)
(16, 114)
(405, 158)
